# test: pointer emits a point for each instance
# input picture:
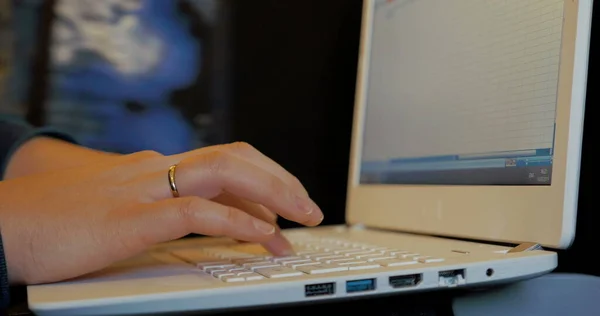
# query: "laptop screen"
(462, 92)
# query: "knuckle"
(216, 162)
(275, 186)
(231, 215)
(186, 207)
(241, 147)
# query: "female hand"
(66, 223)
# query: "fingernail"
(263, 227)
(305, 205)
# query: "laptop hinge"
(526, 246)
(522, 247)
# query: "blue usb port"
(360, 285)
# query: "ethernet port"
(452, 278)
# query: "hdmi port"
(403, 281)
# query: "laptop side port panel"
(320, 289)
(405, 281)
(452, 278)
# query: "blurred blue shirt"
(114, 65)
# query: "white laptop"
(468, 126)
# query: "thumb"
(148, 224)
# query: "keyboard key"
(284, 259)
(355, 254)
(322, 268)
(332, 248)
(366, 256)
(252, 276)
(407, 255)
(315, 248)
(305, 252)
(214, 265)
(359, 246)
(379, 258)
(240, 276)
(348, 251)
(234, 271)
(278, 272)
(227, 253)
(316, 255)
(213, 270)
(362, 266)
(198, 258)
(244, 272)
(394, 252)
(329, 257)
(233, 278)
(257, 265)
(248, 260)
(346, 260)
(355, 261)
(220, 274)
(301, 264)
(396, 262)
(379, 249)
(429, 259)
(287, 263)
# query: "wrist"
(42, 154)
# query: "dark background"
(295, 68)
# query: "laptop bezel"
(512, 214)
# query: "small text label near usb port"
(356, 286)
(319, 289)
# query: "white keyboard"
(251, 262)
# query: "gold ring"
(172, 184)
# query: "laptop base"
(166, 278)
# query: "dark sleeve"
(14, 133)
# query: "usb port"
(319, 289)
(356, 286)
(401, 281)
(451, 278)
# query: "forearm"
(41, 154)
